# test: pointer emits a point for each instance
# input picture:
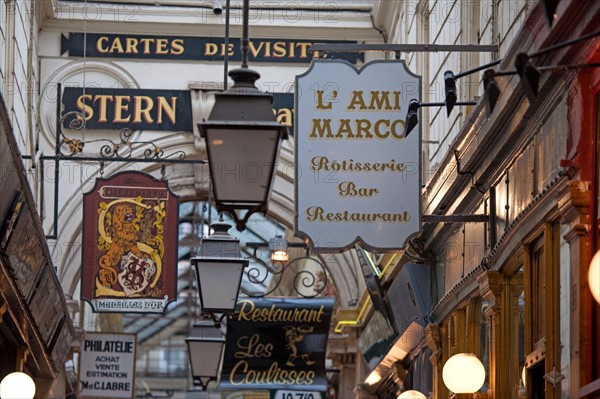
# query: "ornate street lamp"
(242, 142)
(219, 270)
(205, 347)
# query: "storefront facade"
(512, 290)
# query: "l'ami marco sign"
(137, 109)
(359, 176)
(191, 48)
(275, 343)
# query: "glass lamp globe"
(463, 373)
(17, 385)
(594, 277)
(412, 394)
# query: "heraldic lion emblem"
(131, 247)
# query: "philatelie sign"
(130, 244)
(107, 365)
(357, 177)
(275, 343)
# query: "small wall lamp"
(491, 90)
(594, 277)
(17, 385)
(528, 73)
(463, 373)
(412, 394)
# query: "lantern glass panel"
(205, 357)
(219, 283)
(242, 163)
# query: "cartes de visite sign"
(130, 244)
(276, 343)
(359, 178)
(191, 48)
(135, 109)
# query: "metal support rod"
(457, 218)
(443, 104)
(226, 56)
(552, 68)
(57, 156)
(493, 235)
(536, 54)
(246, 10)
(118, 159)
(256, 245)
(564, 44)
(408, 48)
(477, 69)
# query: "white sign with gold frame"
(358, 178)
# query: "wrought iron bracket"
(217, 318)
(202, 382)
(111, 151)
(303, 279)
(404, 48)
(240, 222)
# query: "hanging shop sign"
(283, 107)
(291, 394)
(23, 245)
(275, 343)
(107, 365)
(358, 178)
(102, 45)
(130, 244)
(135, 109)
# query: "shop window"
(542, 313)
(597, 170)
(484, 343)
(517, 344)
(536, 375)
(538, 292)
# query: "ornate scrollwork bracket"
(124, 147)
(305, 278)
